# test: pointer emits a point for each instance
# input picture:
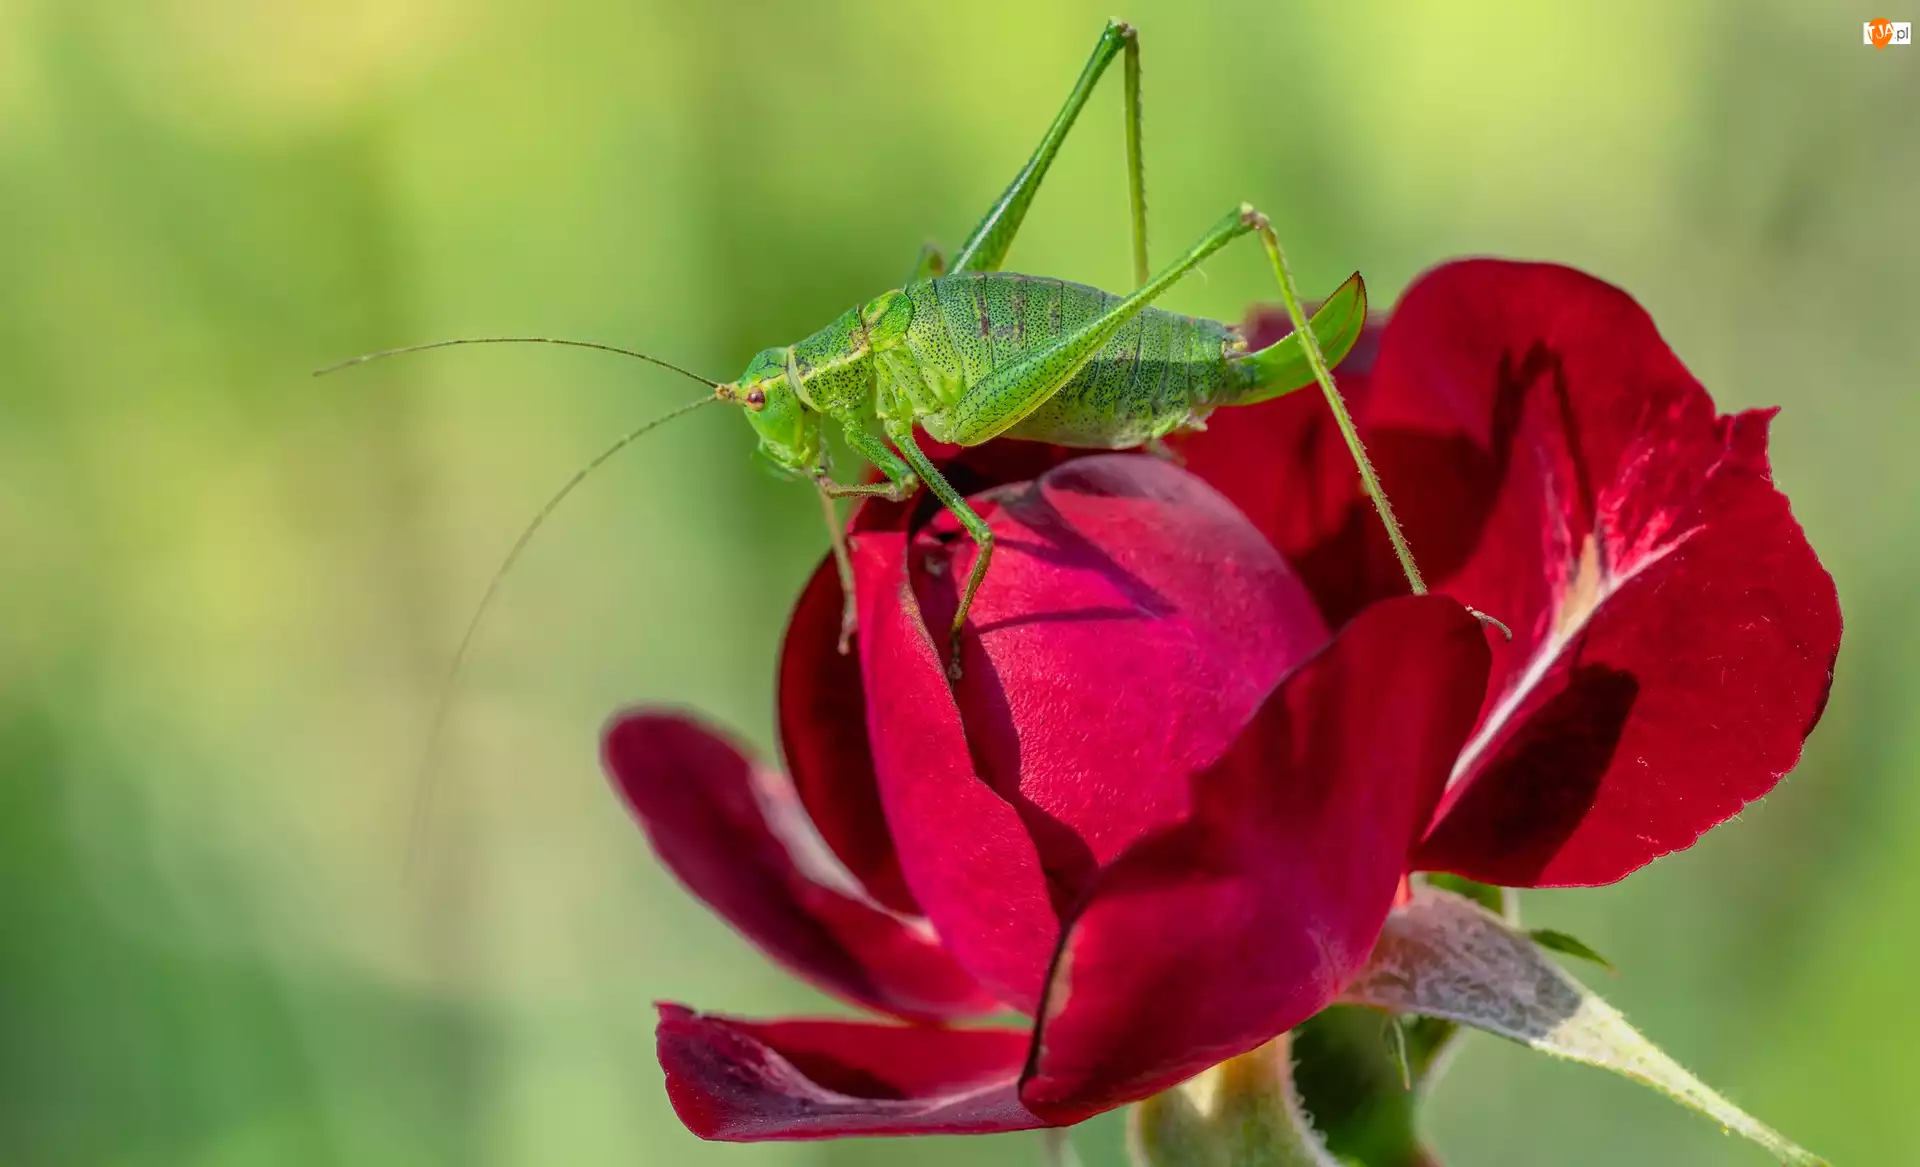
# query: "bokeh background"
(228, 592)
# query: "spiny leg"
(899, 485)
(1136, 165)
(1310, 346)
(902, 434)
(901, 480)
(842, 561)
(891, 491)
(986, 247)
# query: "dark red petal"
(1129, 625)
(823, 732)
(822, 700)
(1284, 464)
(962, 847)
(1675, 635)
(735, 835)
(743, 1081)
(1686, 695)
(1209, 937)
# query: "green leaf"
(1444, 956)
(1567, 945)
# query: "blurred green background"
(228, 591)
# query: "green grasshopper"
(966, 353)
(970, 353)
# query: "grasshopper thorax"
(787, 390)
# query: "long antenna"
(420, 348)
(423, 797)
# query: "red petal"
(962, 847)
(823, 732)
(736, 837)
(743, 1081)
(1685, 695)
(1130, 624)
(1209, 937)
(822, 700)
(1666, 670)
(1674, 633)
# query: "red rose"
(1165, 811)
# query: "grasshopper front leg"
(900, 484)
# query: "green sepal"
(1444, 956)
(1347, 1068)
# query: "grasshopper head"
(789, 431)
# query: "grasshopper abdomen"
(1158, 372)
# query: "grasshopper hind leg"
(986, 247)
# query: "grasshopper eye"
(757, 398)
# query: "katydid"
(967, 353)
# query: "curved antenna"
(423, 796)
(420, 348)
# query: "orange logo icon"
(1881, 33)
